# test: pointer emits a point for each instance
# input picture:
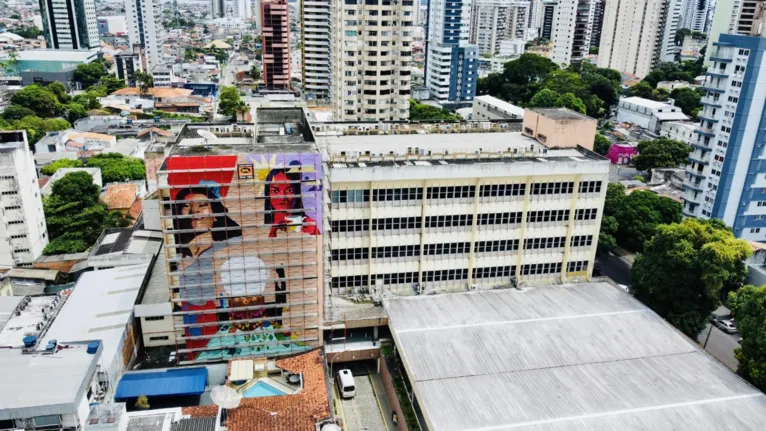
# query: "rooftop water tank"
(93, 347)
(29, 341)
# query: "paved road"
(617, 173)
(615, 268)
(721, 345)
(362, 412)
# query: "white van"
(346, 385)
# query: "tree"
(601, 144)
(255, 72)
(16, 112)
(606, 240)
(520, 80)
(229, 101)
(26, 32)
(39, 99)
(640, 213)
(684, 268)
(59, 91)
(615, 196)
(688, 99)
(35, 126)
(144, 80)
(75, 111)
(112, 83)
(544, 98)
(60, 163)
(642, 89)
(661, 153)
(748, 304)
(423, 112)
(570, 101)
(117, 168)
(89, 74)
(681, 33)
(142, 403)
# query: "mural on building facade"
(244, 268)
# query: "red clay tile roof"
(120, 196)
(135, 209)
(42, 181)
(298, 412)
(200, 411)
(156, 130)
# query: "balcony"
(694, 173)
(710, 119)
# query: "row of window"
(415, 222)
(428, 276)
(577, 266)
(457, 248)
(454, 192)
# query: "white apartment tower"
(493, 21)
(371, 56)
(218, 8)
(637, 34)
(70, 24)
(243, 9)
(316, 52)
(695, 13)
(572, 27)
(23, 234)
(145, 29)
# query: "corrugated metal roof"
(172, 382)
(586, 356)
(204, 423)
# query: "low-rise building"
(73, 141)
(491, 108)
(679, 130)
(648, 114)
(559, 127)
(45, 66)
(128, 63)
(672, 85)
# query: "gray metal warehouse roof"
(585, 356)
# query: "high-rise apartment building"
(371, 59)
(421, 215)
(145, 30)
(451, 70)
(725, 178)
(598, 23)
(637, 34)
(548, 16)
(695, 13)
(535, 18)
(23, 233)
(127, 64)
(493, 21)
(316, 31)
(750, 20)
(572, 27)
(275, 27)
(242, 9)
(70, 24)
(724, 21)
(218, 8)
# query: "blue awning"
(181, 381)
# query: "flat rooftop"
(563, 357)
(502, 104)
(44, 384)
(99, 308)
(647, 103)
(30, 321)
(561, 114)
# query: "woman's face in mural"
(282, 194)
(200, 208)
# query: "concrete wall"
(388, 385)
(561, 133)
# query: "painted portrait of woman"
(284, 204)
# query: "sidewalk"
(380, 395)
(625, 254)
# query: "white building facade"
(371, 56)
(430, 223)
(70, 24)
(23, 233)
(638, 34)
(571, 33)
(317, 48)
(493, 21)
(145, 30)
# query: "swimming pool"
(262, 389)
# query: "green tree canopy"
(661, 153)
(685, 267)
(570, 101)
(42, 101)
(645, 90)
(74, 111)
(89, 74)
(681, 33)
(544, 98)
(421, 112)
(111, 83)
(117, 168)
(30, 32)
(748, 304)
(16, 112)
(639, 214)
(60, 163)
(229, 101)
(606, 240)
(144, 80)
(688, 99)
(59, 91)
(35, 127)
(601, 144)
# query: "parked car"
(346, 385)
(727, 325)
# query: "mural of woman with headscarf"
(284, 202)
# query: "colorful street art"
(244, 263)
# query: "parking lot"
(362, 413)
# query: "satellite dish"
(207, 136)
(226, 397)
